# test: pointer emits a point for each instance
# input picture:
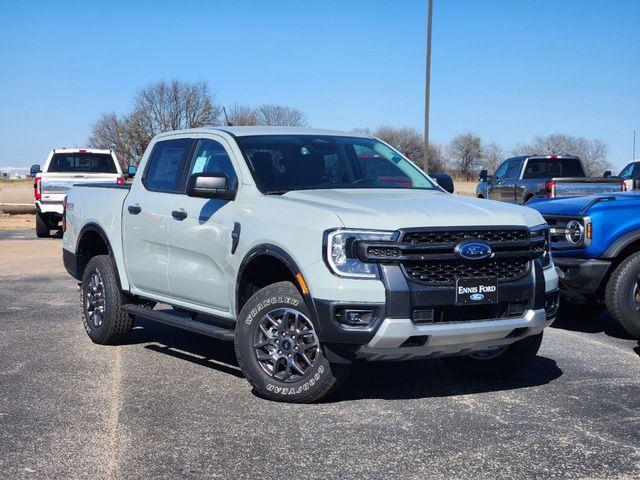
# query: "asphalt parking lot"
(172, 404)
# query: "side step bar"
(177, 320)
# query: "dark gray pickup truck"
(521, 179)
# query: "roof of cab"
(264, 130)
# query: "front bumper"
(581, 278)
(390, 341)
(398, 332)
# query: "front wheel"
(622, 295)
(497, 363)
(278, 349)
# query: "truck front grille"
(446, 273)
(429, 255)
(439, 266)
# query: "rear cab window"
(553, 168)
(82, 162)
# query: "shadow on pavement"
(431, 378)
(205, 351)
(602, 323)
(388, 380)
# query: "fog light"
(355, 317)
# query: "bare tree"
(410, 142)
(492, 156)
(592, 152)
(240, 114)
(279, 115)
(407, 140)
(465, 152)
(436, 158)
(158, 107)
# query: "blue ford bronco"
(595, 242)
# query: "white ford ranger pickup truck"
(309, 249)
(63, 168)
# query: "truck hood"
(390, 209)
(575, 205)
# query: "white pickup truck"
(309, 249)
(65, 167)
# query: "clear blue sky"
(506, 70)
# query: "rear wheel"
(497, 363)
(622, 295)
(102, 315)
(42, 226)
(278, 349)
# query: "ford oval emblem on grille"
(476, 297)
(473, 250)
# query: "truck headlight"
(570, 233)
(339, 252)
(574, 232)
(541, 233)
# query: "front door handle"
(134, 209)
(179, 214)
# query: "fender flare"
(95, 228)
(621, 243)
(267, 249)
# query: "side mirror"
(484, 175)
(35, 169)
(607, 174)
(131, 171)
(210, 185)
(445, 181)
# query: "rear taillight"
(37, 191)
(551, 189)
(120, 180)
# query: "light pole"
(427, 88)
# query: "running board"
(178, 321)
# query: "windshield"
(82, 163)
(553, 168)
(280, 163)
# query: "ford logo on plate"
(474, 250)
(476, 297)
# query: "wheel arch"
(92, 240)
(280, 266)
(623, 245)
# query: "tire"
(42, 226)
(509, 362)
(622, 296)
(101, 303)
(279, 309)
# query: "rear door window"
(514, 169)
(82, 163)
(166, 164)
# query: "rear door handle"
(179, 214)
(134, 209)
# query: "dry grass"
(17, 222)
(464, 187)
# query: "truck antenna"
(226, 118)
